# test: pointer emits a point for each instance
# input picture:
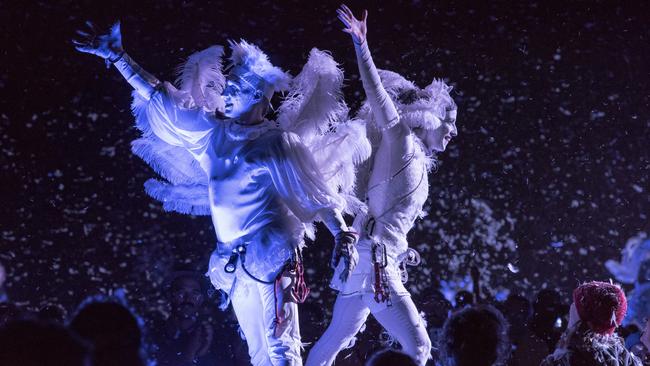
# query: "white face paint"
(437, 138)
(238, 98)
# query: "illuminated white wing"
(185, 189)
(315, 110)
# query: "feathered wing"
(190, 199)
(315, 110)
(185, 187)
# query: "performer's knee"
(423, 349)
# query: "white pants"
(401, 320)
(254, 304)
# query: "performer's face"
(238, 97)
(437, 138)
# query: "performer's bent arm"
(382, 106)
(109, 47)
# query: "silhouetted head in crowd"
(601, 305)
(34, 343)
(436, 307)
(10, 312)
(548, 306)
(113, 330)
(517, 310)
(187, 292)
(52, 312)
(390, 357)
(475, 336)
(547, 321)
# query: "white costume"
(260, 183)
(395, 187)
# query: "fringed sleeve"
(298, 181)
(174, 134)
(189, 199)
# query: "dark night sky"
(549, 173)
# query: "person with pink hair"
(590, 338)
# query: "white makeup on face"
(436, 139)
(237, 99)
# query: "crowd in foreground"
(106, 331)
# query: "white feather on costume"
(201, 83)
(428, 105)
(190, 199)
(202, 77)
(315, 110)
(166, 160)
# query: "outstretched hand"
(355, 27)
(106, 46)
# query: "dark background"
(547, 179)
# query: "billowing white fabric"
(259, 177)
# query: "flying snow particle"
(512, 268)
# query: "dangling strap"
(296, 291)
(300, 290)
(409, 258)
(380, 261)
(242, 254)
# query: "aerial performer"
(261, 184)
(406, 125)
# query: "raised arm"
(109, 47)
(382, 106)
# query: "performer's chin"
(220, 115)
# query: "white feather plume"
(315, 110)
(252, 57)
(202, 77)
(173, 163)
(189, 199)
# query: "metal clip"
(231, 266)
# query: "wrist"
(115, 56)
(347, 234)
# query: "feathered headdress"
(253, 66)
(417, 107)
